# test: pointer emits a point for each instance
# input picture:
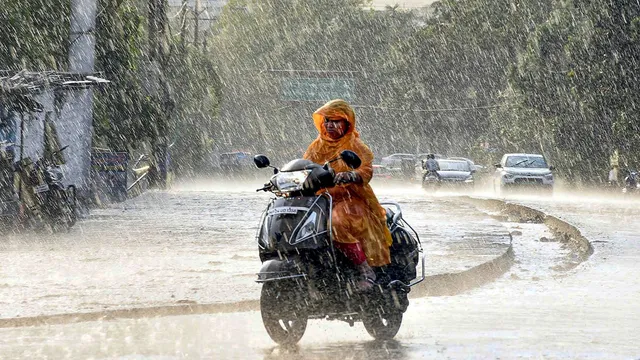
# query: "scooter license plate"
(286, 210)
(42, 188)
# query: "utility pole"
(183, 25)
(161, 93)
(196, 31)
(75, 125)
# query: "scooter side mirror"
(351, 159)
(261, 161)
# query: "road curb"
(435, 285)
(564, 232)
(134, 313)
(447, 284)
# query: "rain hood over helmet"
(357, 214)
(335, 109)
(325, 146)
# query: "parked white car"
(517, 170)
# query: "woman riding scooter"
(359, 225)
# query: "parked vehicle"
(396, 160)
(304, 277)
(235, 162)
(46, 199)
(382, 172)
(520, 170)
(472, 165)
(631, 183)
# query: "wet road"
(194, 245)
(532, 311)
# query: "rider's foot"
(364, 285)
(367, 277)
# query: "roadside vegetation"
(472, 77)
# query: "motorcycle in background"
(46, 200)
(631, 183)
(430, 180)
(304, 277)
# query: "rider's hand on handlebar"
(347, 177)
(266, 187)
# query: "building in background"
(33, 102)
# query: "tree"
(575, 80)
(134, 111)
(260, 44)
(34, 34)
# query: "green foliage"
(124, 113)
(192, 72)
(34, 34)
(136, 110)
(551, 76)
(260, 43)
(576, 82)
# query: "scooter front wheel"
(283, 313)
(383, 326)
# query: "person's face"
(335, 128)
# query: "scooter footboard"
(275, 270)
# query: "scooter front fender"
(275, 269)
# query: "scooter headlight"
(307, 229)
(291, 181)
(263, 233)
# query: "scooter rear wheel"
(283, 313)
(383, 326)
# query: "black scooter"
(47, 200)
(304, 277)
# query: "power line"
(356, 106)
(268, 70)
(430, 110)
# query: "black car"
(452, 172)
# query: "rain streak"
(326, 179)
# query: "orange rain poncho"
(357, 214)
